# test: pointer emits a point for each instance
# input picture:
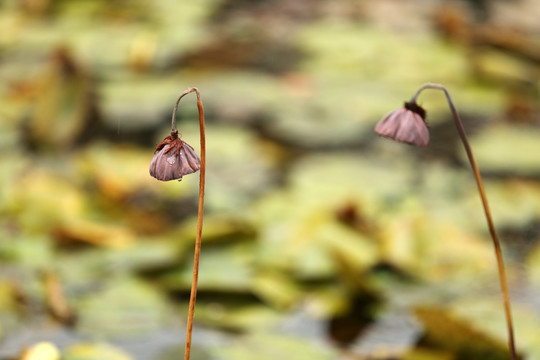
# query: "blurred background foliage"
(321, 240)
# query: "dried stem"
(494, 237)
(196, 257)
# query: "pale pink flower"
(406, 125)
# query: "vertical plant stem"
(197, 253)
(487, 212)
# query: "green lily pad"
(507, 149)
(154, 98)
(513, 203)
(334, 178)
(434, 250)
(53, 197)
(65, 104)
(308, 241)
(121, 171)
(485, 314)
(124, 307)
(277, 289)
(235, 315)
(533, 265)
(238, 97)
(221, 268)
(177, 352)
(27, 251)
(270, 346)
(447, 330)
(217, 228)
(323, 119)
(232, 151)
(95, 351)
(82, 269)
(355, 50)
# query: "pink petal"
(404, 125)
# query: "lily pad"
(84, 269)
(65, 104)
(322, 119)
(507, 149)
(482, 318)
(269, 346)
(355, 50)
(277, 289)
(513, 202)
(154, 97)
(448, 331)
(94, 351)
(120, 171)
(308, 241)
(31, 252)
(232, 153)
(236, 315)
(433, 249)
(221, 268)
(124, 307)
(54, 199)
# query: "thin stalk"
(487, 212)
(197, 254)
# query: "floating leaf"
(177, 352)
(217, 229)
(507, 149)
(95, 351)
(234, 151)
(267, 346)
(276, 288)
(427, 354)
(434, 249)
(123, 307)
(120, 171)
(513, 202)
(236, 315)
(27, 251)
(64, 107)
(448, 330)
(82, 270)
(221, 268)
(94, 233)
(153, 96)
(53, 197)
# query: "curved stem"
(494, 237)
(197, 253)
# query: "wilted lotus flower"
(173, 159)
(406, 125)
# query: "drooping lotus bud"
(173, 159)
(406, 125)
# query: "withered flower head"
(173, 159)
(406, 125)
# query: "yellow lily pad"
(95, 351)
